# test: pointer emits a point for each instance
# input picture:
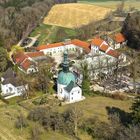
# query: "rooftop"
(14, 81)
(70, 86)
(34, 54)
(11, 78)
(119, 38)
(81, 44)
(97, 41)
(22, 59)
(113, 53)
(76, 42)
(26, 64)
(9, 73)
(104, 47)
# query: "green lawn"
(112, 3)
(43, 30)
(96, 106)
(51, 34)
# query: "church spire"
(65, 63)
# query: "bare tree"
(75, 115)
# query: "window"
(72, 93)
(10, 89)
(78, 92)
(61, 90)
(71, 98)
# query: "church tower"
(67, 88)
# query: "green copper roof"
(65, 78)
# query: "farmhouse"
(101, 47)
(11, 85)
(98, 46)
(117, 41)
(70, 45)
(27, 62)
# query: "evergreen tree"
(131, 29)
(86, 81)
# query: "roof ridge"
(24, 61)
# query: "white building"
(11, 86)
(98, 46)
(101, 47)
(67, 87)
(27, 62)
(69, 45)
(117, 41)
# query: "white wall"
(10, 89)
(94, 49)
(61, 49)
(75, 94)
(117, 45)
(2, 79)
(31, 70)
(60, 90)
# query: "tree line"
(131, 29)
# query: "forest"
(19, 17)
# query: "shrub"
(37, 114)
(21, 122)
(35, 133)
(119, 96)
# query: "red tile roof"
(113, 53)
(119, 38)
(34, 54)
(104, 47)
(20, 57)
(97, 41)
(26, 64)
(82, 44)
(76, 42)
(42, 47)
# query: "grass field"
(112, 3)
(50, 34)
(91, 107)
(96, 106)
(75, 15)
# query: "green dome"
(65, 78)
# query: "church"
(67, 88)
